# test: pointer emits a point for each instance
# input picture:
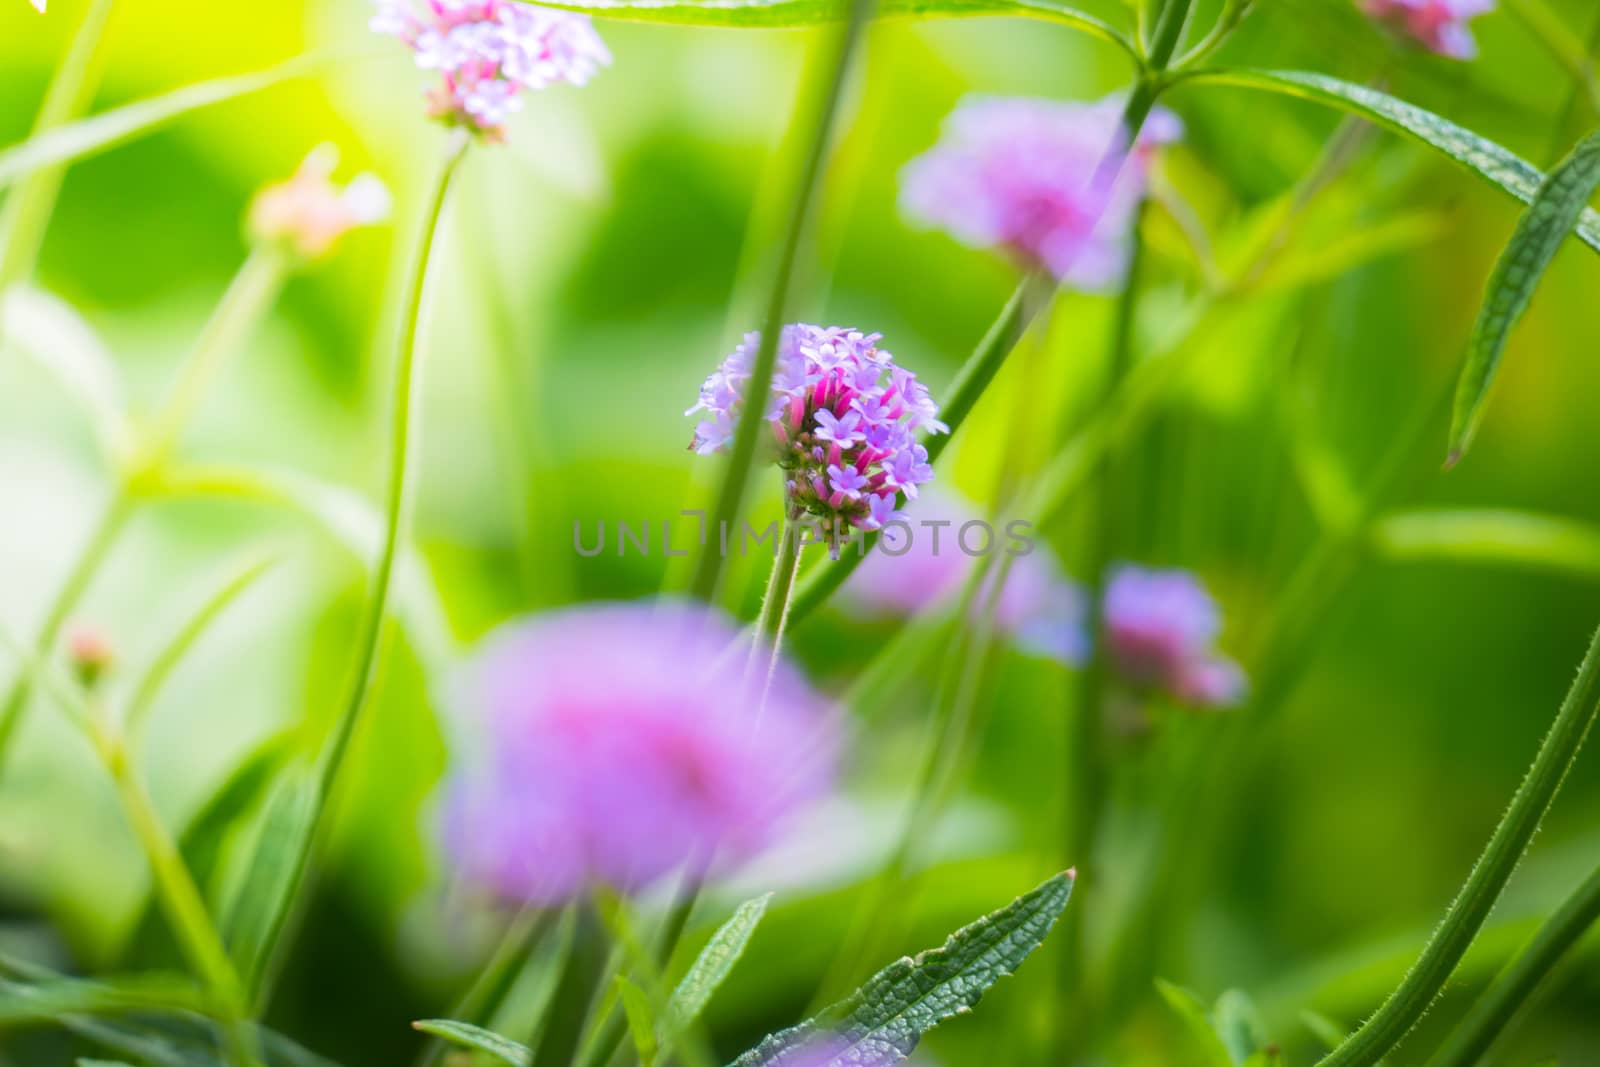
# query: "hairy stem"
(1406, 1005)
(1500, 1003)
(730, 497)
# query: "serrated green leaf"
(1504, 168)
(1556, 207)
(49, 331)
(1549, 543)
(76, 140)
(775, 14)
(49, 999)
(1190, 1010)
(641, 1020)
(883, 1021)
(715, 962)
(257, 908)
(478, 1039)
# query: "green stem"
(1087, 759)
(1494, 1011)
(374, 617)
(27, 211)
(1406, 1005)
(370, 631)
(730, 497)
(576, 991)
(94, 553)
(182, 900)
(253, 290)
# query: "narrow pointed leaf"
(787, 13)
(1521, 539)
(48, 1000)
(883, 1021)
(258, 909)
(715, 962)
(1239, 1025)
(641, 1020)
(476, 1038)
(1556, 207)
(76, 140)
(1499, 165)
(1203, 1040)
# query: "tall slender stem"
(1406, 1005)
(1500, 1003)
(730, 497)
(374, 615)
(495, 982)
(26, 214)
(180, 898)
(576, 991)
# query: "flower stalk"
(730, 496)
(1405, 1006)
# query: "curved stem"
(27, 210)
(1489, 1017)
(1406, 1005)
(730, 497)
(374, 615)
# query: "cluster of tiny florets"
(1440, 26)
(844, 418)
(489, 52)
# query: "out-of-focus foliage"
(584, 293)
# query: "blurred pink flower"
(489, 52)
(309, 213)
(1161, 628)
(1029, 176)
(617, 743)
(1438, 25)
(920, 566)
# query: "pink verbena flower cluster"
(309, 213)
(1029, 176)
(844, 417)
(1160, 629)
(491, 51)
(617, 743)
(1438, 25)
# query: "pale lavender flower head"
(617, 743)
(844, 418)
(489, 52)
(1438, 25)
(1030, 177)
(920, 567)
(1160, 629)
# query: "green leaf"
(1556, 207)
(1519, 539)
(882, 1022)
(715, 962)
(1504, 168)
(50, 331)
(49, 999)
(1238, 1024)
(641, 1020)
(76, 140)
(478, 1039)
(775, 14)
(257, 906)
(1191, 1011)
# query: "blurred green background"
(584, 291)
